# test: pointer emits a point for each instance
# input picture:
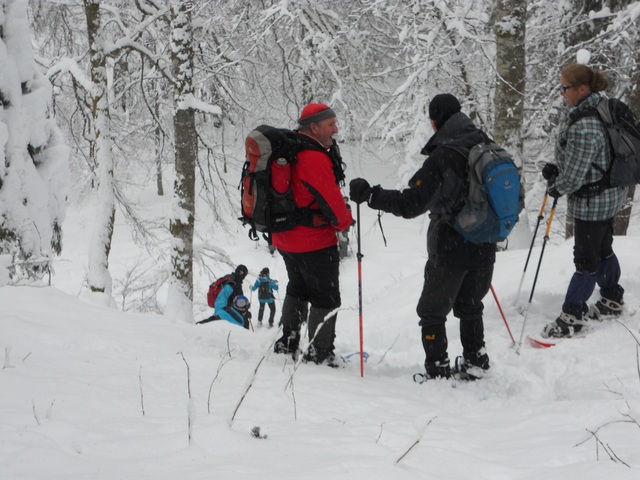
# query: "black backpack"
(623, 131)
(267, 201)
(264, 290)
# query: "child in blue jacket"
(235, 311)
(265, 287)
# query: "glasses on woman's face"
(564, 88)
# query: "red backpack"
(267, 200)
(216, 287)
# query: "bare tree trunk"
(621, 222)
(98, 276)
(510, 32)
(511, 69)
(568, 227)
(179, 304)
(159, 144)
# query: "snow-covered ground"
(90, 392)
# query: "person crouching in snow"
(265, 286)
(235, 311)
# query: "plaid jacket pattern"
(578, 148)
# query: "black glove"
(359, 190)
(554, 193)
(550, 171)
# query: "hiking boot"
(471, 366)
(287, 344)
(605, 307)
(565, 325)
(321, 356)
(438, 368)
(479, 359)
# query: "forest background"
(162, 93)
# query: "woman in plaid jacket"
(582, 154)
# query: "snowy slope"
(88, 391)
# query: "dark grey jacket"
(439, 187)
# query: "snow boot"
(471, 366)
(605, 308)
(322, 330)
(323, 357)
(294, 311)
(564, 326)
(440, 368)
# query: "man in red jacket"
(310, 252)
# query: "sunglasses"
(564, 88)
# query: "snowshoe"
(434, 370)
(321, 356)
(564, 326)
(471, 367)
(605, 308)
(287, 344)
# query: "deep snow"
(88, 391)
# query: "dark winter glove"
(550, 172)
(359, 190)
(554, 193)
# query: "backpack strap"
(313, 217)
(451, 216)
(333, 152)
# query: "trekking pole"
(359, 256)
(250, 299)
(533, 239)
(495, 297)
(535, 278)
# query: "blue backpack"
(491, 206)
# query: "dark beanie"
(442, 108)
(315, 112)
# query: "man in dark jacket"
(458, 273)
(310, 251)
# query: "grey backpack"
(623, 130)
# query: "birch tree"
(33, 158)
(98, 276)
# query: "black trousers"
(457, 289)
(314, 277)
(272, 311)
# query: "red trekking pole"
(495, 297)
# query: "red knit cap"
(315, 112)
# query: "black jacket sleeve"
(437, 187)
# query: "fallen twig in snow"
(416, 442)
